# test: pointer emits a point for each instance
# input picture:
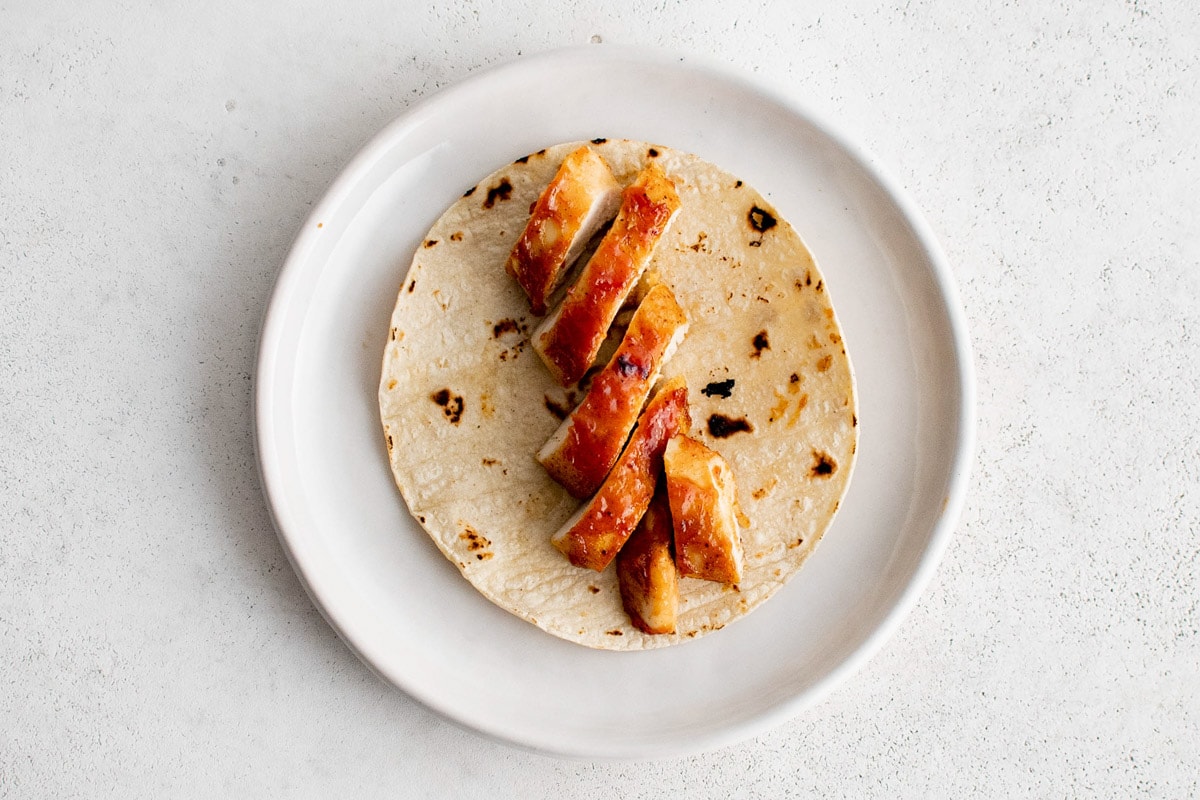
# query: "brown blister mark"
(820, 286)
(594, 589)
(532, 206)
(854, 420)
(490, 462)
(692, 634)
(522, 160)
(800, 405)
(470, 191)
(795, 544)
(437, 295)
(761, 299)
(483, 556)
(824, 363)
(794, 383)
(737, 185)
(391, 384)
(829, 314)
(421, 519)
(760, 343)
(763, 491)
(718, 388)
(834, 337)
(320, 224)
(390, 444)
(456, 236)
(476, 541)
(615, 632)
(500, 192)
(779, 409)
(599, 140)
(760, 219)
(486, 407)
(392, 334)
(778, 572)
(652, 153)
(722, 427)
(823, 465)
(429, 243)
(814, 343)
(412, 285)
(452, 404)
(756, 243)
(701, 245)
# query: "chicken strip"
(588, 442)
(570, 337)
(594, 534)
(704, 510)
(581, 198)
(646, 570)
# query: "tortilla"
(466, 403)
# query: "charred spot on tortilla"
(820, 285)
(501, 191)
(761, 220)
(594, 589)
(823, 465)
(506, 326)
(452, 404)
(737, 185)
(490, 462)
(522, 160)
(794, 378)
(760, 343)
(722, 427)
(600, 140)
(456, 236)
(412, 285)
(722, 389)
(652, 153)
(470, 191)
(430, 243)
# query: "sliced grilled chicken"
(570, 337)
(587, 443)
(594, 534)
(703, 501)
(581, 198)
(646, 571)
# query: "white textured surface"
(154, 167)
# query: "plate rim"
(263, 392)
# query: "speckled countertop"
(155, 163)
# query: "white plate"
(405, 610)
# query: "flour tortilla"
(466, 403)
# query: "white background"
(157, 160)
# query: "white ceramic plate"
(405, 610)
